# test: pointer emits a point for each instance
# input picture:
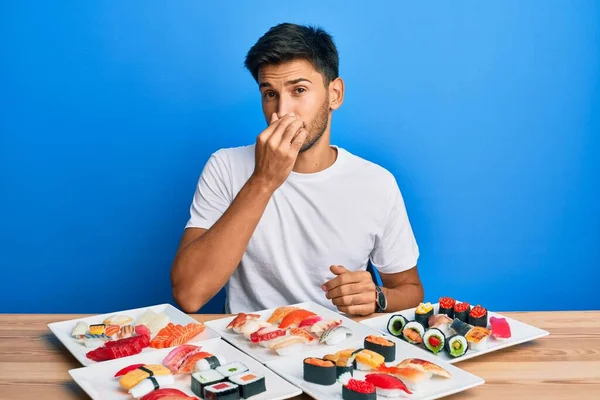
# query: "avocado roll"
(456, 346)
(396, 325)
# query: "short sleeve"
(395, 248)
(212, 196)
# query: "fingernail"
(324, 288)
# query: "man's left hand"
(352, 292)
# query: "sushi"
(231, 369)
(97, 329)
(127, 331)
(396, 325)
(343, 360)
(500, 328)
(461, 311)
(80, 330)
(150, 384)
(293, 319)
(335, 335)
(304, 334)
(422, 314)
(222, 391)
(251, 326)
(446, 306)
(318, 328)
(249, 383)
(319, 371)
(239, 321)
(200, 380)
(119, 320)
(434, 340)
(382, 346)
(280, 313)
(367, 360)
(288, 345)
(477, 338)
(425, 366)
(310, 321)
(387, 385)
(456, 346)
(478, 316)
(112, 331)
(412, 377)
(125, 370)
(460, 327)
(354, 389)
(167, 393)
(266, 334)
(132, 378)
(413, 332)
(178, 357)
(211, 362)
(440, 321)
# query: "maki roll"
(422, 314)
(230, 369)
(460, 327)
(396, 325)
(413, 332)
(382, 346)
(249, 383)
(434, 340)
(478, 316)
(200, 380)
(222, 391)
(151, 384)
(358, 390)
(447, 306)
(461, 311)
(319, 371)
(211, 362)
(456, 346)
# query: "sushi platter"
(126, 333)
(454, 331)
(212, 369)
(374, 367)
(284, 331)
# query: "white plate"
(263, 354)
(292, 369)
(520, 333)
(62, 330)
(99, 383)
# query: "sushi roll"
(381, 345)
(413, 332)
(396, 325)
(150, 384)
(456, 346)
(231, 369)
(211, 362)
(200, 380)
(478, 316)
(319, 371)
(461, 311)
(249, 383)
(222, 391)
(460, 327)
(477, 338)
(434, 340)
(422, 314)
(367, 360)
(354, 389)
(447, 306)
(388, 385)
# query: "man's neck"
(318, 158)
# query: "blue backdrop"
(487, 114)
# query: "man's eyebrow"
(288, 83)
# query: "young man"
(293, 218)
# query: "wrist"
(260, 186)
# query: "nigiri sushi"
(500, 328)
(412, 377)
(319, 327)
(280, 313)
(367, 360)
(441, 322)
(335, 335)
(287, 345)
(387, 385)
(240, 320)
(251, 326)
(264, 335)
(425, 366)
(310, 321)
(293, 319)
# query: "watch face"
(381, 300)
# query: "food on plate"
(119, 348)
(413, 378)
(434, 340)
(461, 311)
(112, 331)
(500, 328)
(477, 338)
(343, 360)
(152, 320)
(396, 325)
(303, 333)
(132, 378)
(119, 320)
(240, 320)
(387, 385)
(222, 391)
(441, 322)
(150, 384)
(175, 335)
(200, 380)
(264, 335)
(446, 306)
(287, 345)
(367, 360)
(335, 335)
(249, 383)
(125, 370)
(456, 346)
(478, 316)
(167, 394)
(293, 319)
(210, 362)
(127, 331)
(280, 313)
(422, 314)
(233, 368)
(80, 330)
(310, 321)
(425, 366)
(97, 329)
(318, 328)
(381, 345)
(178, 357)
(251, 326)
(319, 371)
(413, 332)
(354, 389)
(460, 327)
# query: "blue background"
(487, 114)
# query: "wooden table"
(566, 364)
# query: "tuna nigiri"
(387, 385)
(500, 328)
(293, 319)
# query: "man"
(293, 218)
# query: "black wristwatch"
(380, 301)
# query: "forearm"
(403, 296)
(203, 267)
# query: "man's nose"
(284, 107)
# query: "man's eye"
(300, 90)
(269, 95)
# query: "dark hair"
(287, 42)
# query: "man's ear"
(336, 93)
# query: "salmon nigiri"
(280, 313)
(293, 319)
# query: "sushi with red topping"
(355, 389)
(461, 311)
(447, 306)
(387, 385)
(500, 328)
(478, 316)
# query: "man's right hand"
(277, 149)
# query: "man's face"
(296, 87)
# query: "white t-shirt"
(349, 213)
